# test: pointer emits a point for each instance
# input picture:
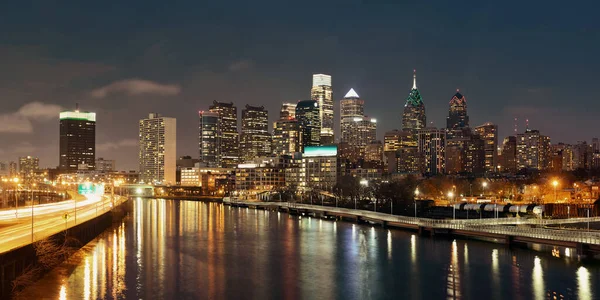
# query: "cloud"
(116, 145)
(20, 121)
(134, 87)
(39, 111)
(241, 65)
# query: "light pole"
(415, 200)
(363, 183)
(484, 185)
(31, 188)
(450, 195)
(555, 184)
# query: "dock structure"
(500, 230)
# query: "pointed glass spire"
(351, 94)
(414, 79)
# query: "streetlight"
(484, 185)
(450, 195)
(555, 184)
(415, 200)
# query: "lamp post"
(555, 184)
(484, 185)
(450, 195)
(415, 200)
(31, 188)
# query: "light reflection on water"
(191, 250)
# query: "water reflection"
(190, 250)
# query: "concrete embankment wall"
(15, 262)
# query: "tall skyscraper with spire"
(413, 117)
(357, 130)
(322, 93)
(457, 120)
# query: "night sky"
(509, 58)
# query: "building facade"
(255, 138)
(158, 147)
(286, 136)
(105, 165)
(319, 167)
(432, 145)
(533, 150)
(209, 138)
(508, 163)
(323, 93)
(413, 116)
(288, 111)
(489, 133)
(307, 114)
(77, 140)
(28, 166)
(457, 119)
(228, 134)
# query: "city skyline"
(161, 70)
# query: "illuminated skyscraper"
(489, 134)
(432, 148)
(288, 111)
(158, 148)
(255, 138)
(307, 114)
(28, 165)
(286, 132)
(209, 138)
(322, 93)
(357, 130)
(77, 140)
(533, 150)
(457, 119)
(228, 133)
(413, 117)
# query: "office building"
(508, 163)
(413, 116)
(307, 114)
(489, 133)
(533, 150)
(228, 135)
(457, 119)
(319, 167)
(322, 93)
(28, 166)
(105, 165)
(286, 136)
(255, 140)
(288, 111)
(432, 143)
(209, 137)
(77, 140)
(158, 147)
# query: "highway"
(48, 219)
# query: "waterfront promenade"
(501, 230)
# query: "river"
(170, 249)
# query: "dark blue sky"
(526, 59)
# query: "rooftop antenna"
(516, 126)
(526, 124)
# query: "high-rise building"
(307, 114)
(77, 140)
(288, 111)
(413, 117)
(158, 147)
(322, 93)
(457, 119)
(582, 155)
(255, 138)
(357, 130)
(229, 142)
(286, 136)
(319, 167)
(374, 152)
(28, 165)
(533, 150)
(489, 134)
(12, 168)
(105, 165)
(209, 138)
(509, 155)
(432, 144)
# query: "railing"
(494, 226)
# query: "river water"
(193, 250)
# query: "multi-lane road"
(18, 228)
